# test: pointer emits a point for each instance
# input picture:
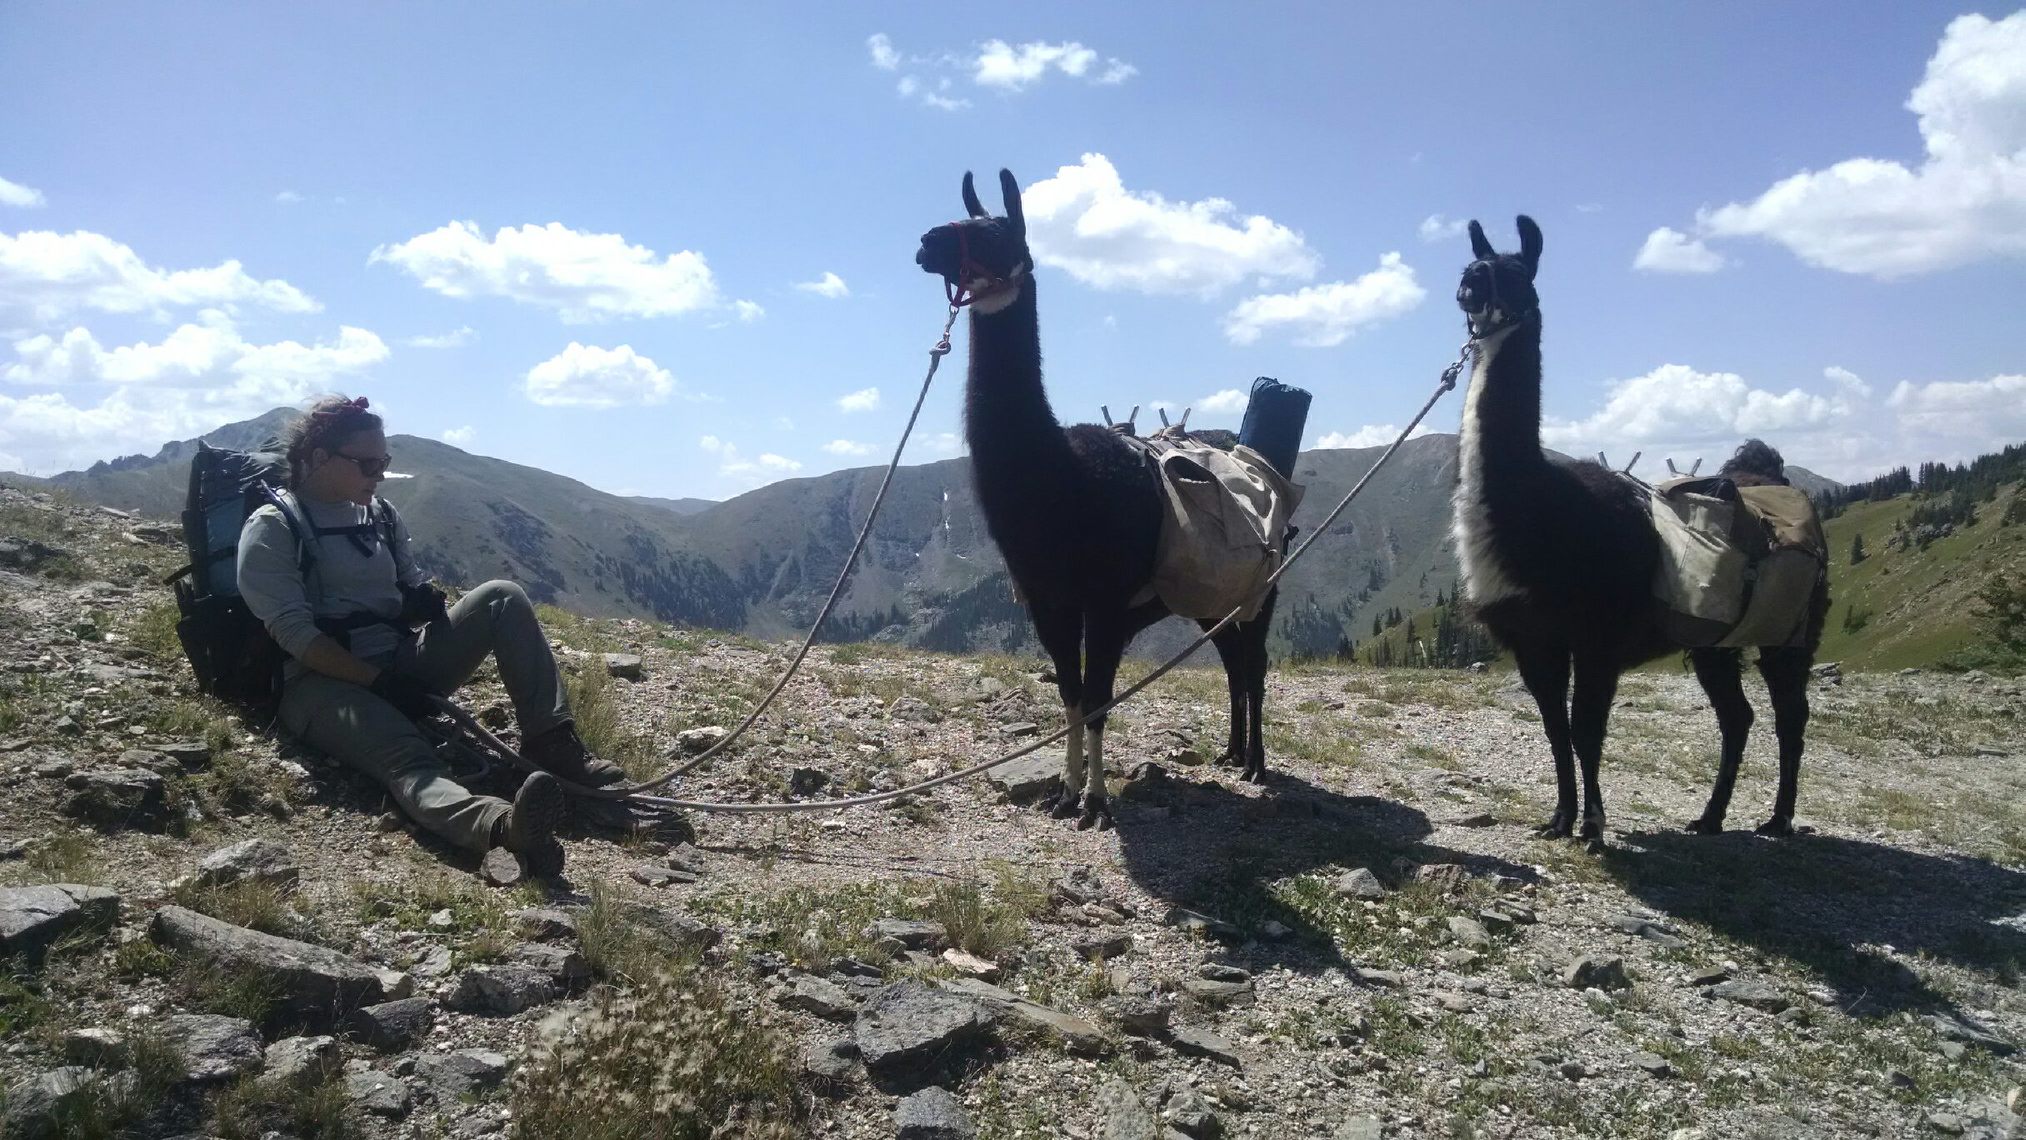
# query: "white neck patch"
(1484, 575)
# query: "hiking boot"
(529, 829)
(562, 752)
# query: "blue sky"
(668, 249)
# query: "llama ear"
(1478, 246)
(971, 202)
(1530, 243)
(1011, 190)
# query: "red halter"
(958, 288)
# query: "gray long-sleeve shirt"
(341, 581)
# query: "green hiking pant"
(347, 721)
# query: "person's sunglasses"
(371, 468)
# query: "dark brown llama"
(1558, 560)
(1075, 512)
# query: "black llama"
(1558, 560)
(1075, 512)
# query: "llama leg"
(1545, 670)
(1105, 643)
(1786, 674)
(1256, 631)
(1061, 634)
(1231, 654)
(1717, 669)
(1589, 714)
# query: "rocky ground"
(211, 933)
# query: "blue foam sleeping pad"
(1274, 420)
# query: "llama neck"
(1499, 457)
(1012, 432)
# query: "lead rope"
(1443, 387)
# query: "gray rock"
(434, 963)
(649, 875)
(1495, 921)
(1653, 1063)
(188, 753)
(1073, 1033)
(1444, 876)
(118, 797)
(911, 933)
(1359, 1128)
(464, 1073)
(547, 924)
(1384, 979)
(258, 860)
(1459, 957)
(1121, 1116)
(1223, 972)
(1593, 972)
(812, 995)
(46, 1105)
(1709, 976)
(1219, 995)
(673, 927)
(1757, 995)
(501, 868)
(312, 980)
(933, 1114)
(300, 1062)
(807, 781)
(1469, 932)
(394, 1025)
(700, 739)
(101, 1047)
(831, 1063)
(1102, 945)
(33, 918)
(564, 966)
(1141, 1015)
(1648, 929)
(1029, 778)
(1020, 728)
(501, 991)
(970, 965)
(625, 666)
(1188, 1112)
(1192, 922)
(215, 1048)
(909, 1024)
(1956, 1027)
(378, 1093)
(1194, 1042)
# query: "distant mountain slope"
(764, 561)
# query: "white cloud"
(1435, 227)
(1085, 222)
(48, 275)
(1849, 381)
(1678, 405)
(585, 277)
(1964, 202)
(585, 376)
(1670, 251)
(1957, 420)
(1012, 67)
(1227, 400)
(15, 194)
(829, 285)
(288, 197)
(863, 400)
(1371, 435)
(1324, 315)
(456, 338)
(738, 471)
(197, 377)
(884, 57)
(847, 447)
(460, 436)
(945, 443)
(747, 311)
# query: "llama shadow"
(1825, 903)
(1203, 847)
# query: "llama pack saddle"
(1738, 565)
(1224, 524)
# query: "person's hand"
(415, 699)
(423, 603)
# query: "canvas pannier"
(1224, 527)
(1737, 564)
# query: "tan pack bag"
(1735, 572)
(1224, 527)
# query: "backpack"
(1224, 525)
(1738, 564)
(230, 651)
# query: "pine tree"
(1857, 549)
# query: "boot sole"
(531, 834)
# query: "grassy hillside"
(1909, 607)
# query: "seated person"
(358, 671)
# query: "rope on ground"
(1447, 383)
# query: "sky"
(668, 249)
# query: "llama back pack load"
(1737, 564)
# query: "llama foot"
(1254, 774)
(1779, 827)
(1705, 826)
(1593, 825)
(1064, 805)
(1559, 825)
(1096, 813)
(1229, 759)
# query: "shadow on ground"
(1200, 845)
(1828, 903)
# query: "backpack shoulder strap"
(383, 513)
(298, 525)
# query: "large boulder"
(32, 918)
(118, 797)
(1074, 1033)
(933, 1114)
(908, 1026)
(313, 981)
(216, 1048)
(48, 1105)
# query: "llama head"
(1497, 290)
(981, 258)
